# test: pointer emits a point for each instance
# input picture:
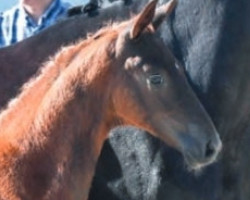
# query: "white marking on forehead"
(146, 68)
(136, 60)
(132, 62)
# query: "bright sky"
(9, 3)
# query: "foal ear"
(143, 20)
(162, 12)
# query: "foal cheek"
(127, 105)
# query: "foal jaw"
(200, 147)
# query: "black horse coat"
(212, 40)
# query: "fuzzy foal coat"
(53, 157)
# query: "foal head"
(151, 91)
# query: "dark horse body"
(211, 38)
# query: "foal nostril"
(210, 150)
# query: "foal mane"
(50, 72)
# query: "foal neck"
(76, 116)
(65, 128)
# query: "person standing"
(29, 17)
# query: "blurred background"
(4, 5)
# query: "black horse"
(212, 40)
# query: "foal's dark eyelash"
(156, 79)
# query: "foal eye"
(156, 79)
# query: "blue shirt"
(16, 24)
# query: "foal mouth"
(196, 164)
